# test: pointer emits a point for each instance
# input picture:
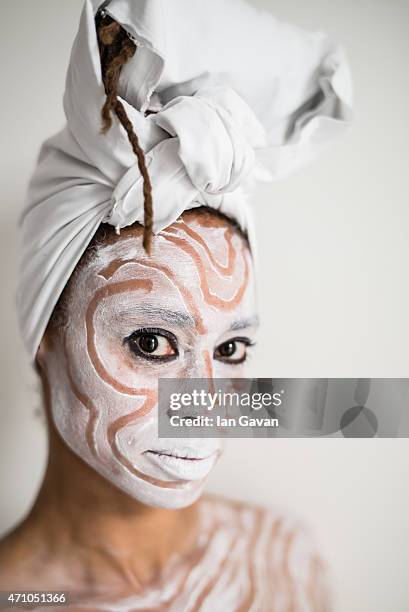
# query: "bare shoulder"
(280, 551)
(243, 514)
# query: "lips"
(182, 464)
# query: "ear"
(42, 352)
(40, 365)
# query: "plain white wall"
(334, 251)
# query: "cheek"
(95, 417)
(109, 404)
(70, 414)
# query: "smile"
(182, 465)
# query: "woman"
(118, 522)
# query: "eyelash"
(154, 331)
(243, 340)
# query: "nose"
(207, 368)
(207, 364)
(202, 366)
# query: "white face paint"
(133, 318)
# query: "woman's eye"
(154, 344)
(233, 351)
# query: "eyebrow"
(244, 323)
(175, 317)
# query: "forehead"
(209, 231)
(198, 262)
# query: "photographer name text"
(219, 421)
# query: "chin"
(161, 497)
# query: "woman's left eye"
(233, 351)
(153, 344)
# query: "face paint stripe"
(272, 570)
(212, 583)
(111, 268)
(249, 600)
(198, 558)
(209, 297)
(225, 270)
(289, 540)
(313, 580)
(97, 298)
(127, 419)
(93, 413)
(187, 296)
(208, 364)
(261, 553)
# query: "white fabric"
(238, 97)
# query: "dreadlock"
(116, 49)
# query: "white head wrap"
(237, 95)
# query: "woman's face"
(186, 311)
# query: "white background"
(334, 299)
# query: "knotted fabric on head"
(207, 154)
(223, 113)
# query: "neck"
(118, 541)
